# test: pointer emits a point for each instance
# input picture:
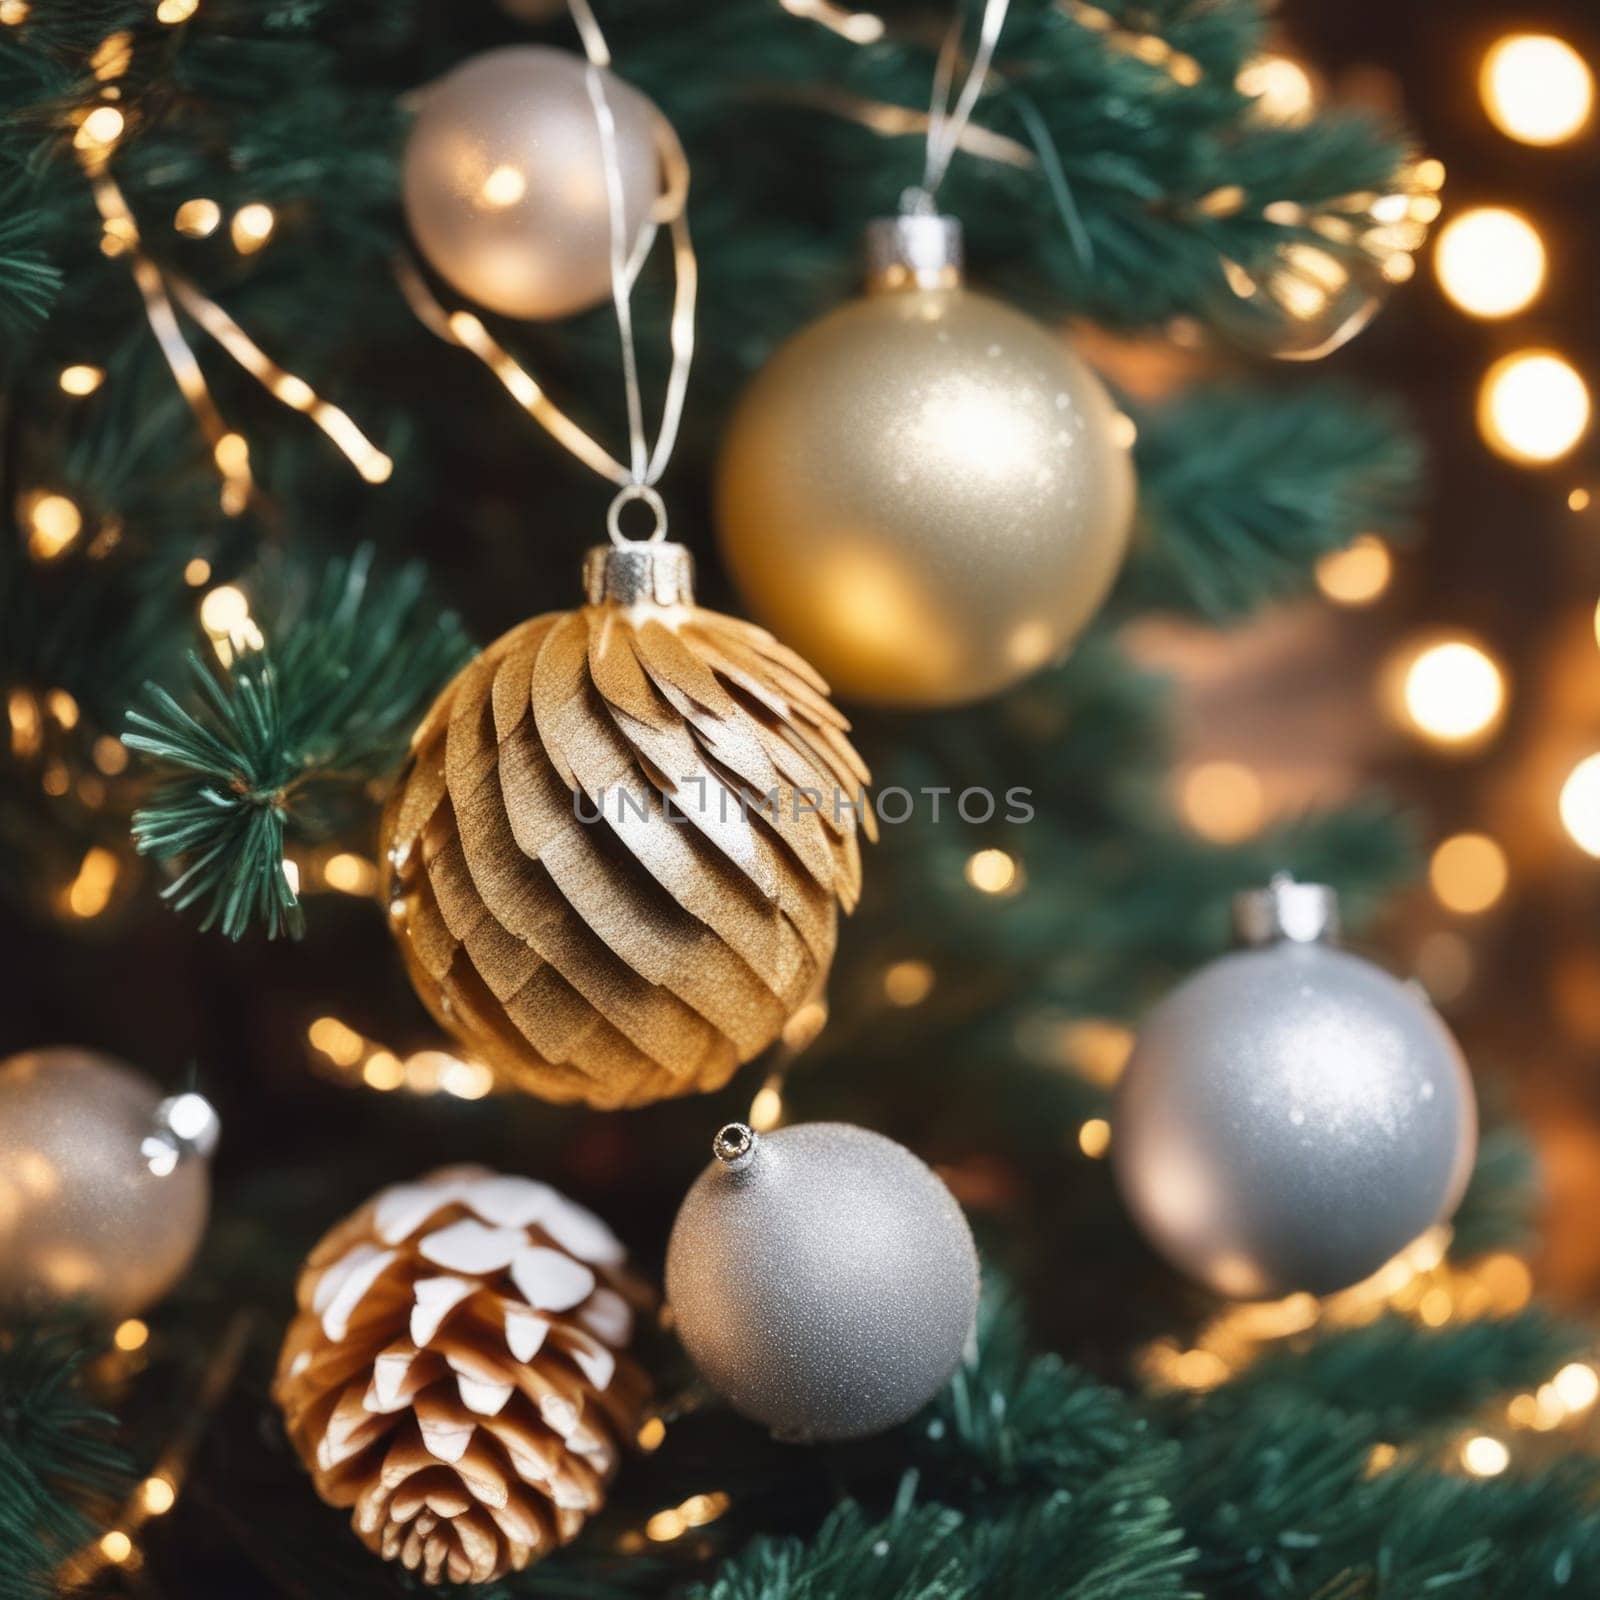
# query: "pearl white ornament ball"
(504, 182)
(104, 1188)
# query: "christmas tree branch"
(1244, 488)
(285, 731)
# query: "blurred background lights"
(1284, 91)
(1223, 801)
(251, 227)
(81, 380)
(1580, 805)
(1536, 88)
(1533, 406)
(1490, 261)
(1468, 873)
(1451, 692)
(992, 872)
(1358, 574)
(196, 219)
(1485, 1456)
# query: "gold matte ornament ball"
(619, 843)
(926, 493)
(94, 1204)
(504, 182)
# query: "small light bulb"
(1533, 407)
(1536, 88)
(1490, 261)
(1452, 692)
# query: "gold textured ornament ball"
(504, 182)
(618, 846)
(926, 493)
(94, 1204)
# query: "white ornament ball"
(104, 1188)
(504, 180)
(1292, 1117)
(822, 1279)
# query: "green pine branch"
(60, 1459)
(283, 734)
(1244, 488)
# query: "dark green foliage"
(60, 1459)
(284, 732)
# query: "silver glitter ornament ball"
(504, 179)
(822, 1279)
(1292, 1116)
(103, 1184)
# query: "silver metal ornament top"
(734, 1145)
(184, 1127)
(1286, 911)
(639, 573)
(915, 250)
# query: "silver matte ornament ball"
(103, 1184)
(504, 180)
(1292, 1116)
(822, 1279)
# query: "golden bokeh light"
(504, 186)
(1094, 1138)
(993, 872)
(131, 1335)
(1536, 88)
(1533, 406)
(159, 1495)
(1358, 574)
(116, 1547)
(1282, 89)
(1452, 692)
(1484, 1456)
(1223, 801)
(1580, 805)
(198, 218)
(173, 12)
(81, 379)
(766, 1110)
(251, 227)
(1468, 873)
(1490, 261)
(100, 129)
(53, 522)
(908, 983)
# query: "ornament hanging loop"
(645, 495)
(947, 123)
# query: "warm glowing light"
(90, 892)
(1536, 88)
(1490, 261)
(1580, 805)
(1358, 574)
(383, 1070)
(110, 755)
(1578, 500)
(159, 1496)
(1468, 873)
(1098, 1049)
(766, 1110)
(100, 129)
(1383, 1456)
(503, 187)
(992, 871)
(1484, 1456)
(81, 379)
(341, 1045)
(224, 611)
(859, 27)
(53, 523)
(695, 1512)
(1533, 406)
(232, 454)
(116, 1547)
(63, 708)
(251, 227)
(174, 11)
(650, 1434)
(1094, 1137)
(1222, 801)
(350, 874)
(13, 13)
(112, 56)
(197, 572)
(197, 219)
(1577, 1386)
(131, 1335)
(1281, 88)
(1453, 693)
(908, 983)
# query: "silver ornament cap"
(822, 1279)
(1292, 1116)
(917, 249)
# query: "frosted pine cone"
(454, 1372)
